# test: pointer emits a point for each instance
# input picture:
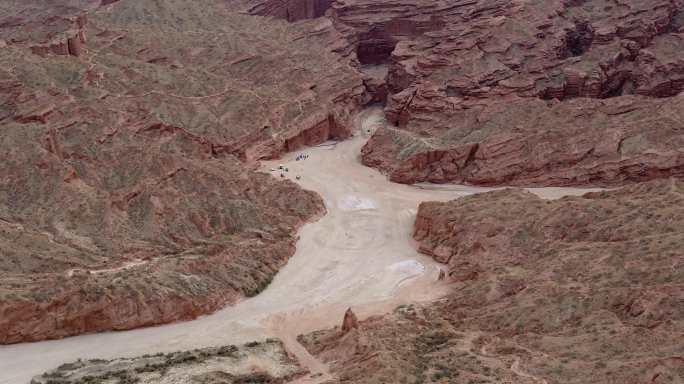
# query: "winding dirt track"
(359, 255)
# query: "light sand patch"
(355, 203)
(411, 267)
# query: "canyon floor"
(358, 255)
(200, 194)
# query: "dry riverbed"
(359, 255)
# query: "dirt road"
(359, 255)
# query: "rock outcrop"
(47, 29)
(453, 66)
(576, 290)
(129, 195)
(349, 322)
(290, 10)
(228, 364)
(535, 142)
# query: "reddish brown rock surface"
(535, 142)
(123, 198)
(290, 10)
(350, 321)
(454, 67)
(500, 92)
(577, 290)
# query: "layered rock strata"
(577, 290)
(453, 65)
(535, 142)
(129, 194)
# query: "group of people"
(284, 169)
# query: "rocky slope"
(577, 290)
(266, 362)
(536, 142)
(128, 194)
(454, 66)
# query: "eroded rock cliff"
(454, 66)
(529, 141)
(577, 290)
(129, 195)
